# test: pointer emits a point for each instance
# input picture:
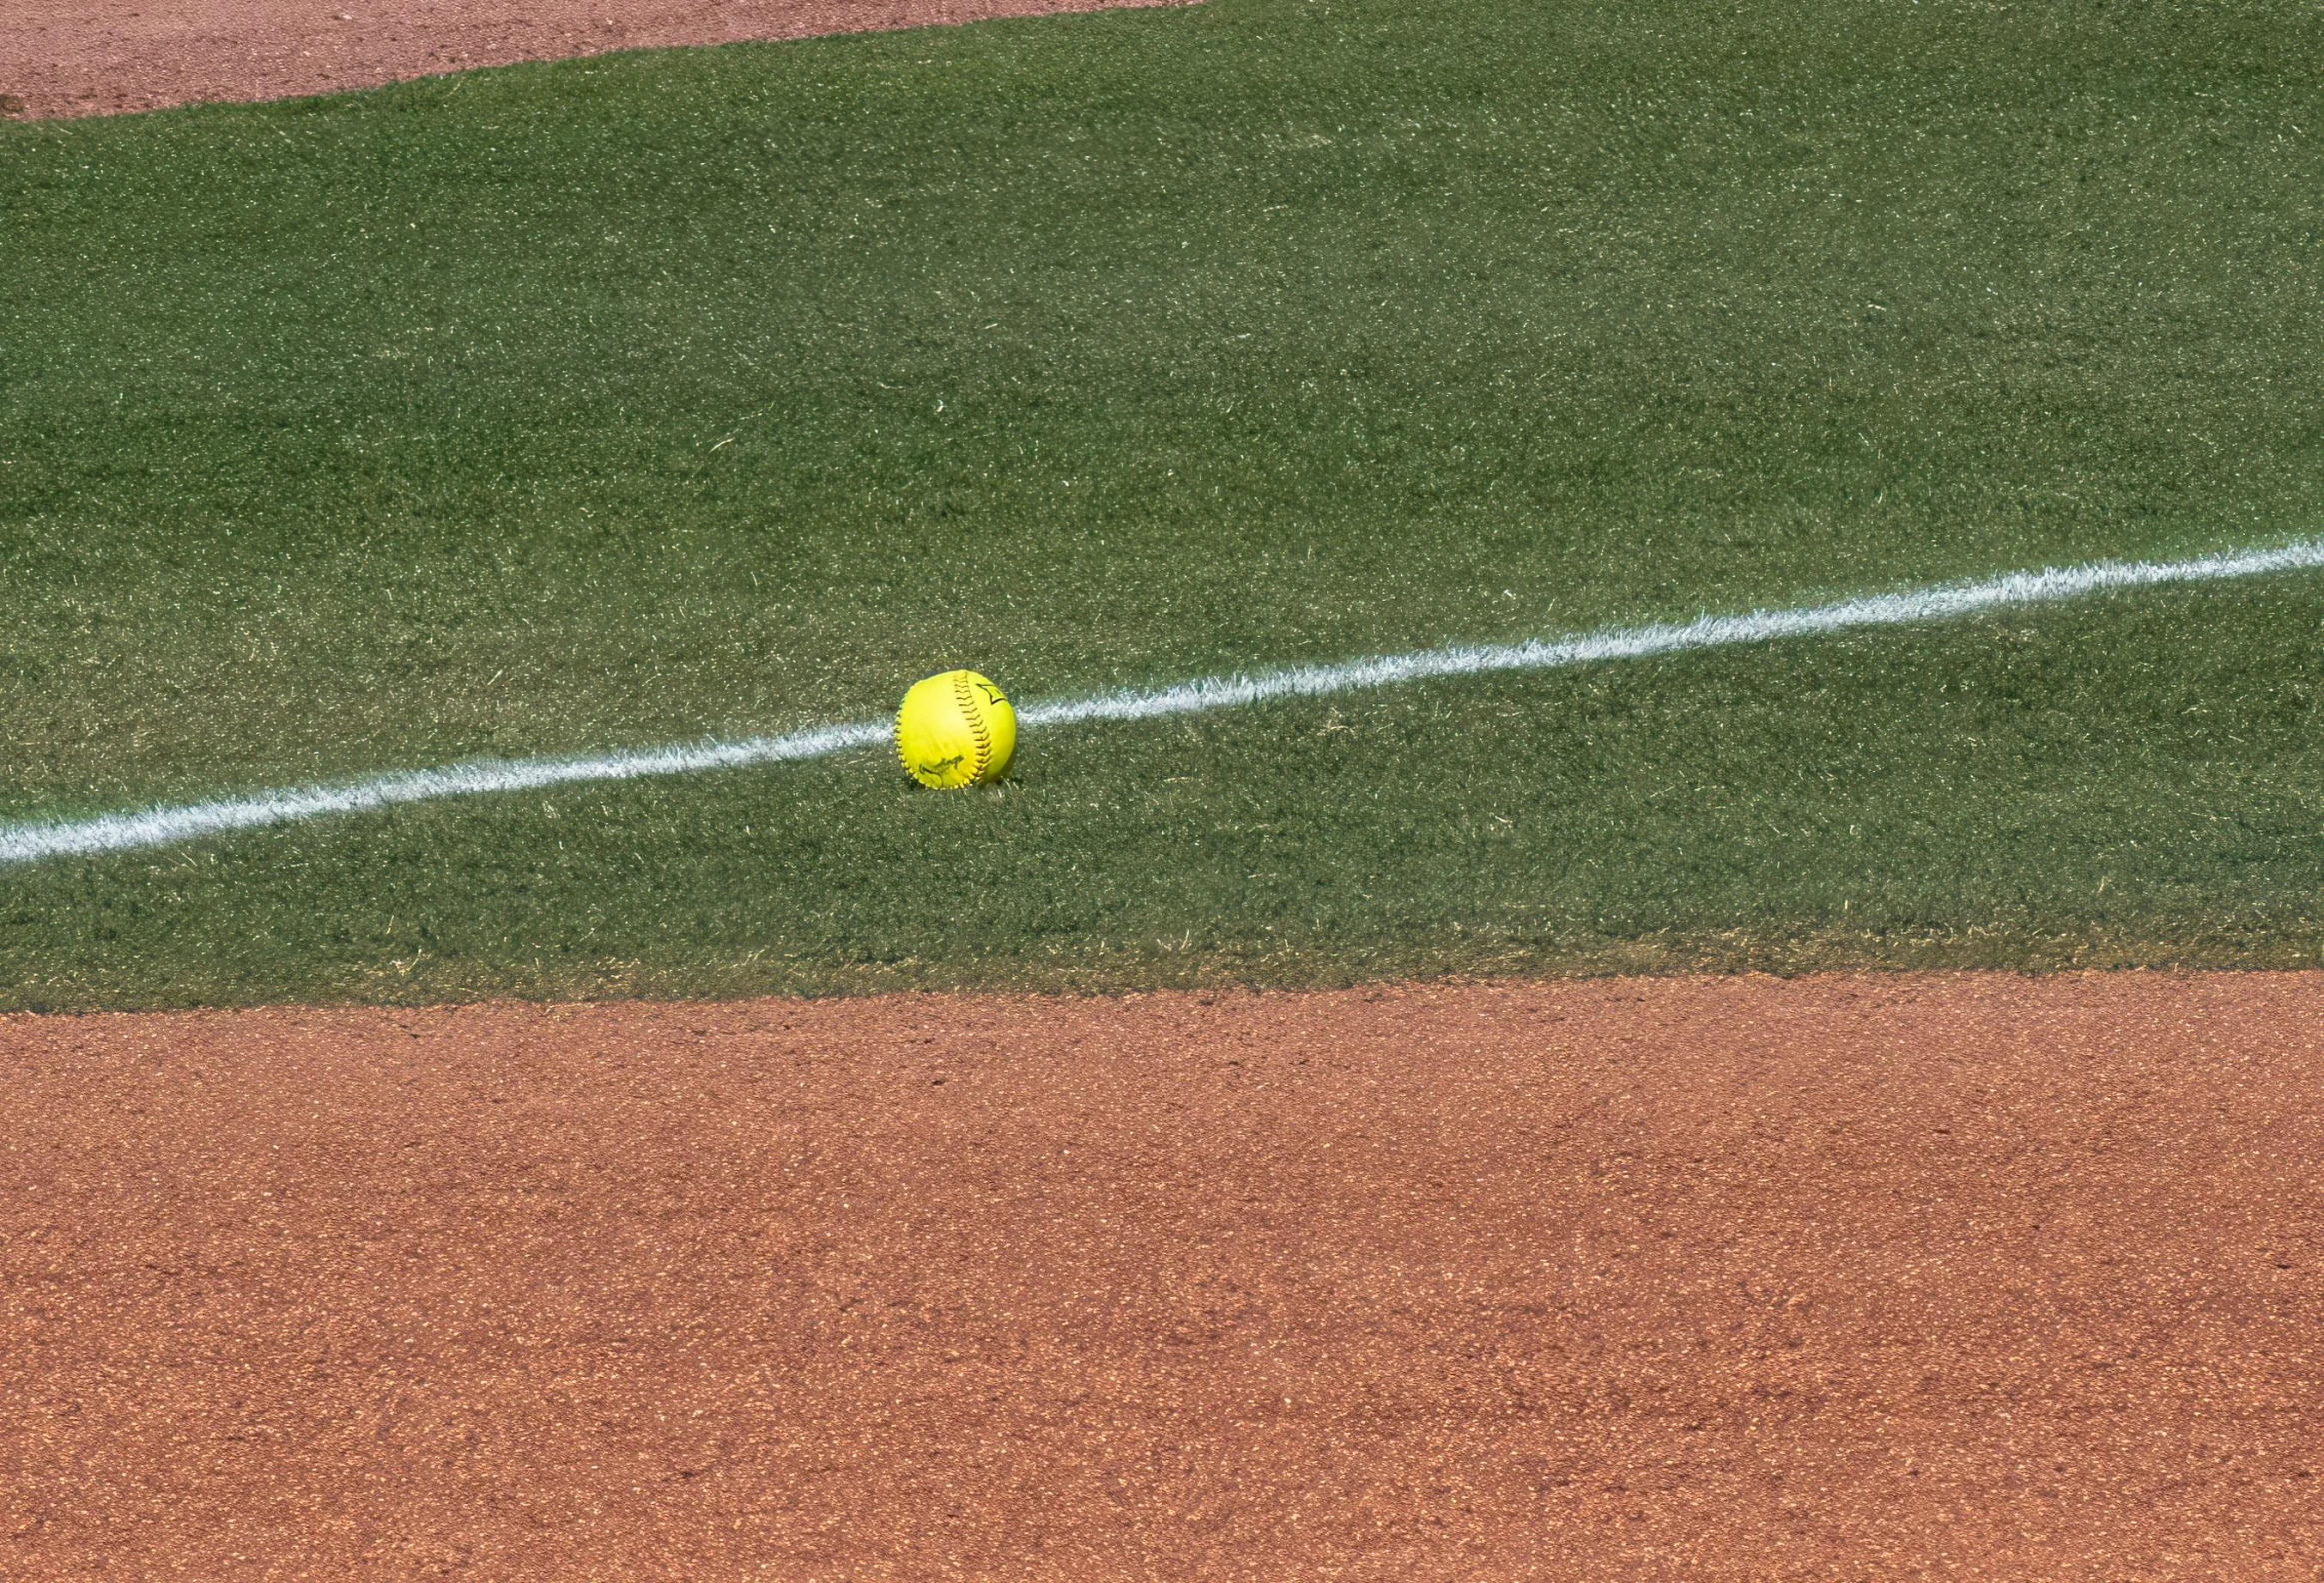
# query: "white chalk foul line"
(167, 827)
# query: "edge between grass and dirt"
(74, 58)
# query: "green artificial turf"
(623, 401)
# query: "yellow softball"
(955, 730)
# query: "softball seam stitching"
(965, 694)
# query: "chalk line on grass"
(168, 826)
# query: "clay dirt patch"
(103, 57)
(1971, 1276)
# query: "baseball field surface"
(1659, 911)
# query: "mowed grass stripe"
(2131, 780)
(169, 826)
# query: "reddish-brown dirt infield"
(1838, 1278)
(99, 57)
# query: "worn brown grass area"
(103, 57)
(1877, 1277)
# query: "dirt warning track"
(102, 57)
(1969, 1276)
